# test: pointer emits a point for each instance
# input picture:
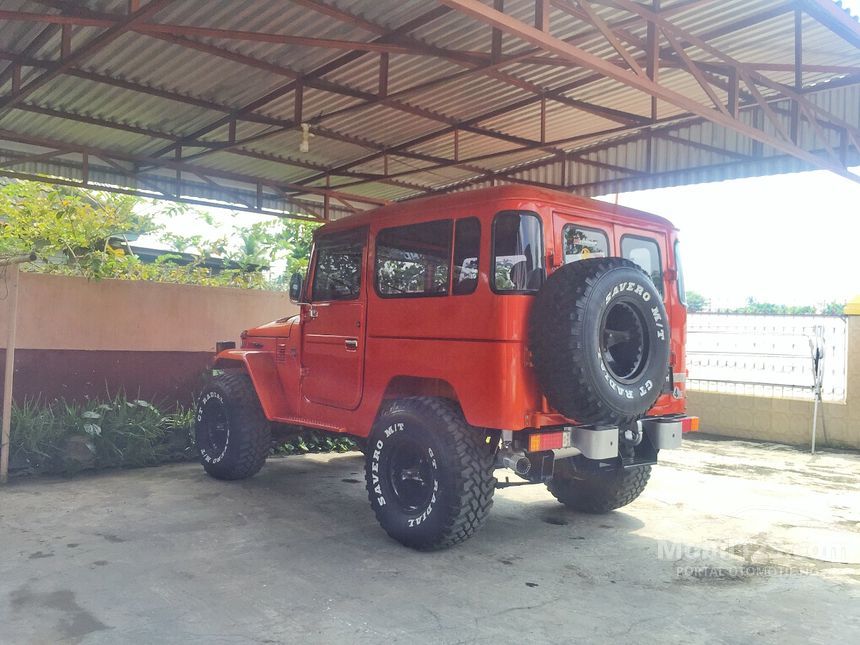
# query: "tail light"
(690, 424)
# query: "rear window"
(581, 243)
(518, 265)
(644, 252)
(413, 261)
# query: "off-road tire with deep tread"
(564, 338)
(249, 438)
(599, 492)
(463, 460)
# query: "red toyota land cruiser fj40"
(508, 327)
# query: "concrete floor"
(767, 540)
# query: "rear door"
(648, 250)
(334, 321)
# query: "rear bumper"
(601, 442)
(533, 455)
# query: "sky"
(853, 6)
(788, 239)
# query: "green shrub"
(64, 437)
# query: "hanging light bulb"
(305, 144)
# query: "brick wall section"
(79, 338)
(786, 420)
(59, 312)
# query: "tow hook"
(631, 434)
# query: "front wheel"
(598, 492)
(232, 434)
(429, 474)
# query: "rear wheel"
(232, 434)
(598, 492)
(429, 474)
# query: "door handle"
(351, 344)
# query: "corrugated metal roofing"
(452, 118)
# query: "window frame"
(589, 229)
(450, 255)
(477, 257)
(360, 233)
(661, 288)
(515, 292)
(681, 287)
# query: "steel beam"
(487, 15)
(22, 159)
(32, 48)
(635, 19)
(309, 207)
(95, 44)
(149, 28)
(835, 18)
(183, 166)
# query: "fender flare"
(261, 367)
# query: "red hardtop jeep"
(507, 327)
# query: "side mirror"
(296, 284)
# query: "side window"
(518, 257)
(337, 273)
(644, 252)
(467, 243)
(413, 261)
(581, 243)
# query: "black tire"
(599, 492)
(429, 474)
(599, 337)
(232, 434)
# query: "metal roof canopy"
(202, 101)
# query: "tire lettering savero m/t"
(511, 327)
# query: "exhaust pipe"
(517, 462)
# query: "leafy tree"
(71, 231)
(256, 245)
(696, 302)
(753, 306)
(182, 243)
(63, 224)
(294, 238)
(833, 309)
(282, 243)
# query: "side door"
(334, 321)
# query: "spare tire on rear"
(599, 337)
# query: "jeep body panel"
(332, 366)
